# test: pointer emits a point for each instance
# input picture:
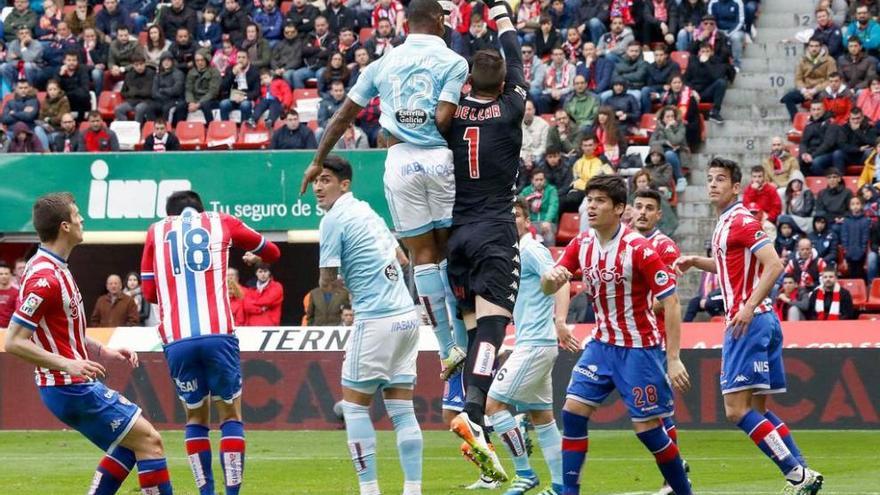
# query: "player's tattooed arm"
(327, 278)
(340, 121)
(19, 343)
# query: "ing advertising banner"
(126, 192)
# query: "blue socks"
(459, 331)
(785, 433)
(765, 436)
(112, 471)
(153, 477)
(232, 455)
(432, 294)
(575, 444)
(198, 451)
(505, 427)
(362, 445)
(668, 459)
(551, 445)
(409, 440)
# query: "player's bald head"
(425, 16)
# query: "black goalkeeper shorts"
(484, 261)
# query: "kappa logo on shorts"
(115, 424)
(31, 304)
(391, 273)
(411, 118)
(661, 278)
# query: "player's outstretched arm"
(678, 374)
(19, 343)
(335, 129)
(773, 268)
(552, 280)
(563, 333)
(703, 263)
(500, 12)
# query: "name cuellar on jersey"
(185, 262)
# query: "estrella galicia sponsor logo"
(391, 273)
(411, 118)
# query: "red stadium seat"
(857, 290)
(41, 97)
(575, 288)
(682, 59)
(285, 7)
(873, 302)
(278, 124)
(142, 38)
(851, 182)
(717, 319)
(221, 134)
(816, 184)
(869, 316)
(793, 149)
(569, 228)
(549, 118)
(647, 124)
(556, 252)
(365, 34)
(797, 127)
(146, 130)
(83, 126)
(253, 138)
(304, 94)
(854, 169)
(313, 125)
(191, 135)
(107, 103)
(9, 96)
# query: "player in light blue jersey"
(381, 352)
(419, 85)
(524, 381)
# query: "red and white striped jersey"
(669, 252)
(623, 278)
(50, 304)
(184, 268)
(738, 235)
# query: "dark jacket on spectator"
(627, 104)
(602, 71)
(543, 48)
(288, 54)
(30, 145)
(634, 72)
(659, 76)
(728, 14)
(15, 20)
(171, 144)
(326, 109)
(98, 54)
(820, 136)
(259, 53)
(53, 52)
(845, 312)
(25, 110)
(212, 34)
(76, 142)
(323, 47)
(857, 73)
(825, 242)
(252, 76)
(378, 46)
(202, 86)
(337, 19)
(831, 37)
(138, 87)
(184, 55)
(700, 76)
(303, 19)
(171, 20)
(684, 14)
(169, 86)
(786, 247)
(853, 139)
(302, 138)
(559, 176)
(589, 9)
(722, 48)
(833, 203)
(854, 232)
(108, 23)
(270, 23)
(76, 87)
(234, 24)
(121, 53)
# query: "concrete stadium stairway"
(752, 113)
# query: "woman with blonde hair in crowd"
(237, 293)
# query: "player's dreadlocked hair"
(488, 71)
(612, 185)
(731, 166)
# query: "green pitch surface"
(306, 463)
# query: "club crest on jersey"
(391, 273)
(760, 234)
(31, 304)
(661, 278)
(411, 118)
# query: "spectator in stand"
(257, 48)
(329, 105)
(54, 50)
(275, 96)
(81, 18)
(869, 175)
(156, 45)
(336, 71)
(613, 43)
(660, 171)
(685, 18)
(654, 22)
(610, 141)
(94, 53)
(671, 135)
(161, 140)
(573, 46)
(838, 99)
(869, 102)
(202, 87)
(546, 39)
(625, 106)
(29, 52)
(233, 21)
(873, 8)
(184, 50)
(857, 67)
(799, 203)
(169, 90)
(394, 12)
(830, 301)
(133, 290)
(564, 136)
(383, 40)
(363, 10)
(763, 193)
(270, 20)
(208, 34)
(597, 70)
(833, 201)
(535, 131)
(805, 266)
(8, 295)
(780, 167)
(708, 32)
(263, 303)
(293, 135)
(588, 165)
(730, 15)
(52, 109)
(534, 71)
(237, 294)
(178, 15)
(67, 139)
(857, 139)
(557, 172)
(362, 60)
(582, 105)
(592, 17)
(110, 18)
(348, 45)
(137, 91)
(287, 55)
(819, 142)
(225, 57)
(74, 80)
(140, 12)
(347, 315)
(479, 36)
(562, 17)
(865, 28)
(23, 107)
(122, 52)
(352, 139)
(21, 16)
(543, 201)
(115, 308)
(98, 138)
(325, 307)
(684, 98)
(23, 140)
(368, 120)
(824, 240)
(339, 16)
(709, 76)
(633, 70)
(854, 233)
(528, 18)
(810, 77)
(18, 270)
(302, 14)
(242, 84)
(659, 73)
(324, 44)
(787, 236)
(642, 181)
(47, 24)
(786, 304)
(708, 298)
(829, 33)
